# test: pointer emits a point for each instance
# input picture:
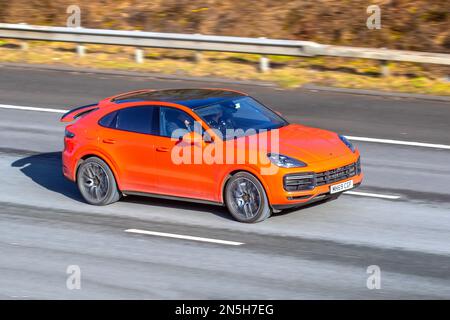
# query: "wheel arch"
(102, 157)
(247, 170)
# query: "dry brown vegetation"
(409, 25)
(422, 25)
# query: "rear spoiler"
(78, 112)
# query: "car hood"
(309, 144)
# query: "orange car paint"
(141, 163)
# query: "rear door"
(127, 135)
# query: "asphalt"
(318, 252)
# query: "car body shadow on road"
(45, 170)
(218, 211)
(303, 209)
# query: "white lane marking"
(363, 139)
(180, 236)
(400, 142)
(6, 106)
(372, 195)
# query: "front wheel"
(246, 199)
(96, 182)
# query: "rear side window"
(109, 121)
(134, 119)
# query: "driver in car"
(180, 122)
(221, 120)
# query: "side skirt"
(163, 196)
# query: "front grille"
(299, 181)
(309, 180)
(334, 175)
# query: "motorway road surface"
(322, 251)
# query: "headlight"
(347, 143)
(285, 161)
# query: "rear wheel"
(96, 182)
(246, 199)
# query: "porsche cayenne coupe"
(214, 146)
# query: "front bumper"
(312, 199)
(281, 197)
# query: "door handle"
(162, 149)
(109, 141)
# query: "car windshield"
(239, 116)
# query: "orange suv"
(214, 146)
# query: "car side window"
(109, 121)
(134, 119)
(174, 122)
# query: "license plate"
(341, 186)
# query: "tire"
(246, 198)
(96, 182)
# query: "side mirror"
(193, 138)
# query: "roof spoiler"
(78, 112)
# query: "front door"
(188, 180)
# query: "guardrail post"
(384, 65)
(264, 64)
(24, 46)
(81, 50)
(139, 55)
(198, 56)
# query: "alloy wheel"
(246, 198)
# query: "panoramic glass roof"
(191, 98)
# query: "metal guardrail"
(386, 54)
(197, 42)
(159, 40)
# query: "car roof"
(191, 98)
